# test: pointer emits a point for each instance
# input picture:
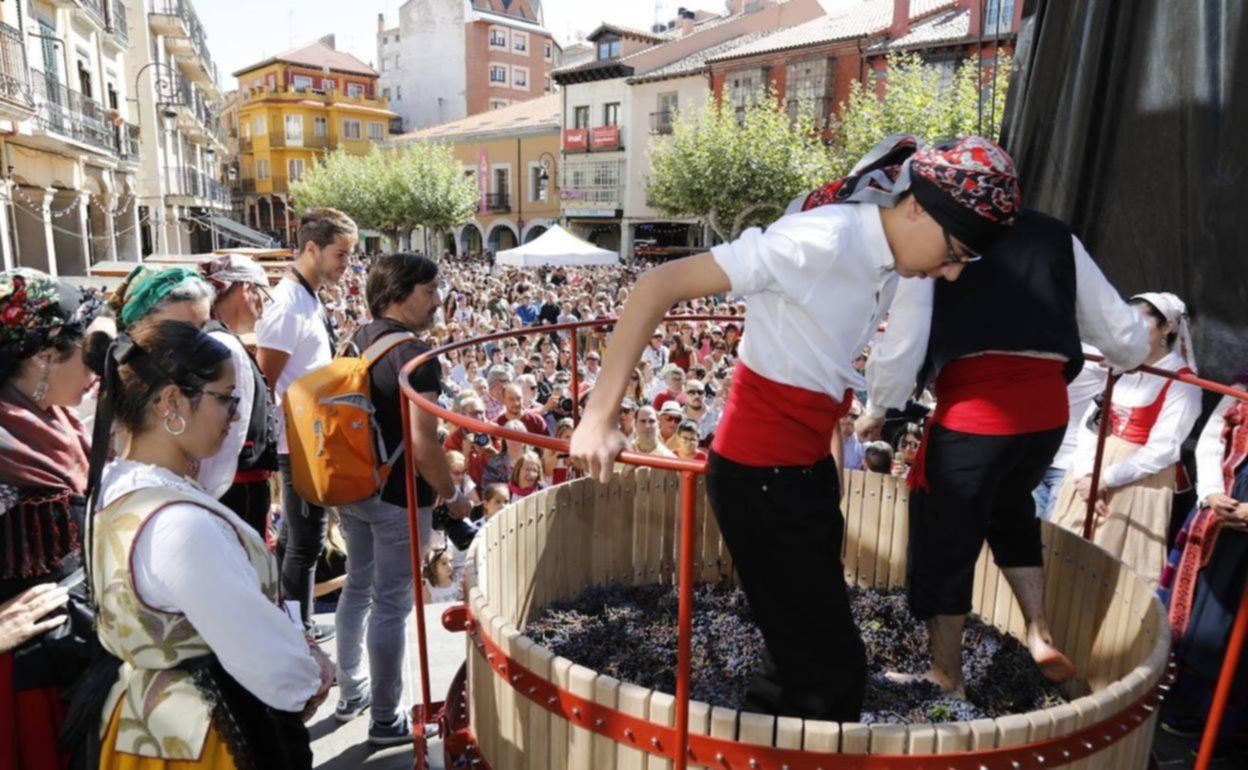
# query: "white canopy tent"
(557, 247)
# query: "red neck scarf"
(41, 448)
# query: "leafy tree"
(393, 191)
(730, 171)
(916, 103)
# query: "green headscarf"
(145, 287)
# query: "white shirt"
(216, 473)
(657, 357)
(1104, 319)
(1165, 442)
(818, 283)
(187, 560)
(294, 323)
(1089, 383)
(1210, 452)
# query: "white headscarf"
(1175, 312)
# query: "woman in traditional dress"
(1211, 575)
(43, 476)
(187, 592)
(1150, 418)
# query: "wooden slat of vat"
(869, 529)
(855, 738)
(671, 527)
(888, 739)
(525, 562)
(634, 701)
(1117, 755)
(600, 543)
(1134, 626)
(1003, 615)
(953, 737)
(512, 704)
(527, 712)
(1089, 711)
(585, 510)
(662, 712)
(1041, 725)
(493, 585)
(708, 531)
(724, 723)
(543, 560)
(699, 718)
(503, 723)
(983, 734)
(921, 739)
(622, 515)
(788, 733)
(980, 582)
(883, 551)
(992, 578)
(481, 706)
(1098, 611)
(539, 733)
(851, 500)
(868, 494)
(756, 729)
(1012, 730)
(606, 693)
(901, 536)
(581, 740)
(1063, 619)
(510, 555)
(646, 549)
(560, 729)
(821, 736)
(1108, 647)
(660, 535)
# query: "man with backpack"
(402, 294)
(294, 338)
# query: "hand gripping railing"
(689, 469)
(1239, 631)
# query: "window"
(807, 87)
(294, 169)
(262, 169)
(386, 93)
(744, 89)
(385, 64)
(320, 128)
(112, 96)
(547, 85)
(258, 126)
(84, 80)
(398, 93)
(947, 66)
(498, 104)
(294, 128)
(611, 114)
(377, 132)
(350, 129)
(581, 117)
(500, 182)
(385, 40)
(498, 38)
(536, 187)
(666, 113)
(355, 90)
(520, 78)
(608, 48)
(1000, 17)
(303, 81)
(498, 73)
(548, 52)
(520, 41)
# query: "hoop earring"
(41, 392)
(181, 424)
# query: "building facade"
(183, 197)
(292, 109)
(449, 59)
(68, 134)
(513, 156)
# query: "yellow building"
(293, 108)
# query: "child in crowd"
(439, 584)
(526, 476)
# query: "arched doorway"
(534, 233)
(502, 237)
(449, 246)
(470, 240)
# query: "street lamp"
(544, 176)
(166, 94)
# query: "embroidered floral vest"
(162, 713)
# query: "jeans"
(1046, 493)
(378, 592)
(303, 532)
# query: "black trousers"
(783, 527)
(251, 501)
(980, 490)
(304, 527)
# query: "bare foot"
(1055, 666)
(934, 676)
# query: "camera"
(481, 439)
(565, 405)
(459, 531)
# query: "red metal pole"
(413, 522)
(576, 381)
(1102, 435)
(684, 637)
(1225, 679)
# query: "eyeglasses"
(695, 392)
(910, 444)
(231, 401)
(954, 259)
(671, 417)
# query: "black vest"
(259, 451)
(1020, 297)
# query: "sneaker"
(397, 732)
(350, 709)
(322, 633)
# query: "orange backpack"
(337, 456)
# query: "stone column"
(70, 232)
(7, 245)
(103, 233)
(129, 231)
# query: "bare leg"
(1028, 586)
(945, 633)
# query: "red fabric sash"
(996, 395)
(769, 423)
(30, 723)
(1135, 424)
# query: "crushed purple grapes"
(629, 633)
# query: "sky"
(243, 32)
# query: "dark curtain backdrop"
(1129, 120)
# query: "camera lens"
(481, 439)
(565, 404)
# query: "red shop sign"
(606, 136)
(576, 139)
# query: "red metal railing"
(689, 469)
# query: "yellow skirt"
(1139, 515)
(215, 755)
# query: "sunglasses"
(671, 417)
(695, 392)
(231, 401)
(910, 444)
(953, 258)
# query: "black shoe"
(322, 633)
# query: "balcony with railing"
(185, 37)
(498, 203)
(190, 182)
(63, 111)
(16, 100)
(94, 10)
(328, 97)
(117, 22)
(661, 122)
(128, 142)
(195, 116)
